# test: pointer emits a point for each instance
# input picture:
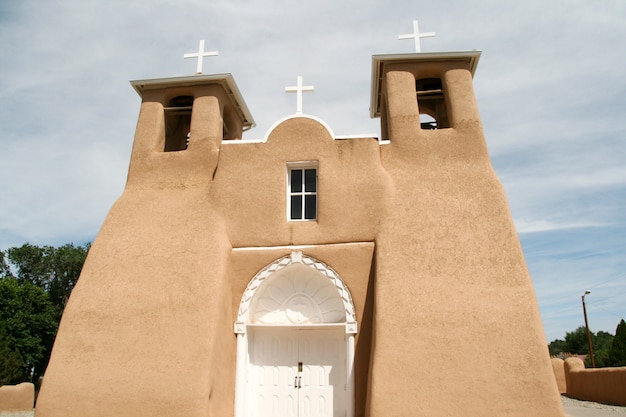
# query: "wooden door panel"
(276, 389)
(273, 373)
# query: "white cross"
(200, 55)
(299, 89)
(417, 35)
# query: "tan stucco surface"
(418, 229)
(603, 385)
(20, 397)
(466, 289)
(558, 368)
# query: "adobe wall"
(15, 398)
(163, 279)
(558, 367)
(249, 187)
(602, 385)
(451, 276)
(419, 229)
(354, 189)
(148, 329)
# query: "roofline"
(225, 80)
(379, 61)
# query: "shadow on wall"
(15, 398)
(601, 385)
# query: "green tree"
(56, 270)
(28, 322)
(35, 284)
(601, 347)
(576, 341)
(4, 268)
(12, 370)
(617, 354)
(557, 347)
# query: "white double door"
(297, 372)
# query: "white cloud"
(523, 226)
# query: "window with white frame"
(302, 191)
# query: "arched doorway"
(295, 342)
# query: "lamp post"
(593, 360)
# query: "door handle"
(298, 381)
(295, 382)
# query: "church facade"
(306, 274)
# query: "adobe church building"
(306, 274)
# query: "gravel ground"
(17, 414)
(570, 402)
(588, 404)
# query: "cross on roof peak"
(200, 55)
(299, 89)
(416, 35)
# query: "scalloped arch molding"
(295, 290)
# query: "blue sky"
(550, 88)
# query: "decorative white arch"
(296, 258)
(294, 290)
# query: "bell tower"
(454, 302)
(152, 298)
(181, 125)
(414, 94)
